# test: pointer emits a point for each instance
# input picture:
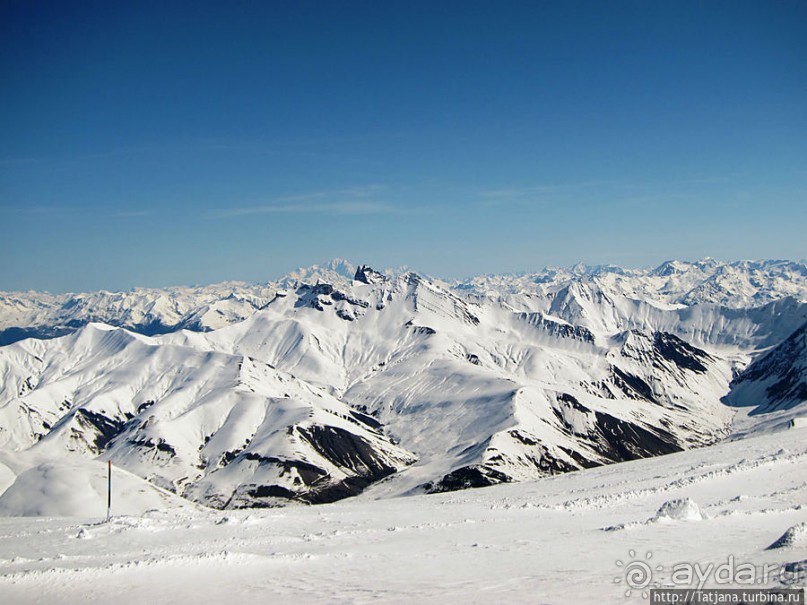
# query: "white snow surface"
(564, 539)
(337, 380)
(332, 382)
(681, 509)
(673, 285)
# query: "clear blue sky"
(156, 143)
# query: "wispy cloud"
(510, 193)
(359, 200)
(720, 179)
(132, 213)
(361, 192)
(34, 210)
(536, 194)
(612, 189)
(45, 211)
(360, 207)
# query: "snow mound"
(64, 489)
(682, 509)
(794, 536)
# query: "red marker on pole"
(109, 489)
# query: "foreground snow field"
(555, 540)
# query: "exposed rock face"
(776, 381)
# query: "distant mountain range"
(337, 380)
(153, 311)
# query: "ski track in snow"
(533, 542)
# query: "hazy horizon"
(408, 267)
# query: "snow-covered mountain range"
(150, 311)
(336, 380)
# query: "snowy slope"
(150, 310)
(565, 539)
(737, 284)
(777, 381)
(480, 393)
(219, 429)
(77, 487)
(145, 310)
(341, 380)
(742, 284)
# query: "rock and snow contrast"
(569, 538)
(150, 311)
(339, 381)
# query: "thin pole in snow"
(109, 489)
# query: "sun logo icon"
(637, 574)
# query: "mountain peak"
(336, 271)
(669, 267)
(341, 266)
(367, 275)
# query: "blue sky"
(159, 143)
